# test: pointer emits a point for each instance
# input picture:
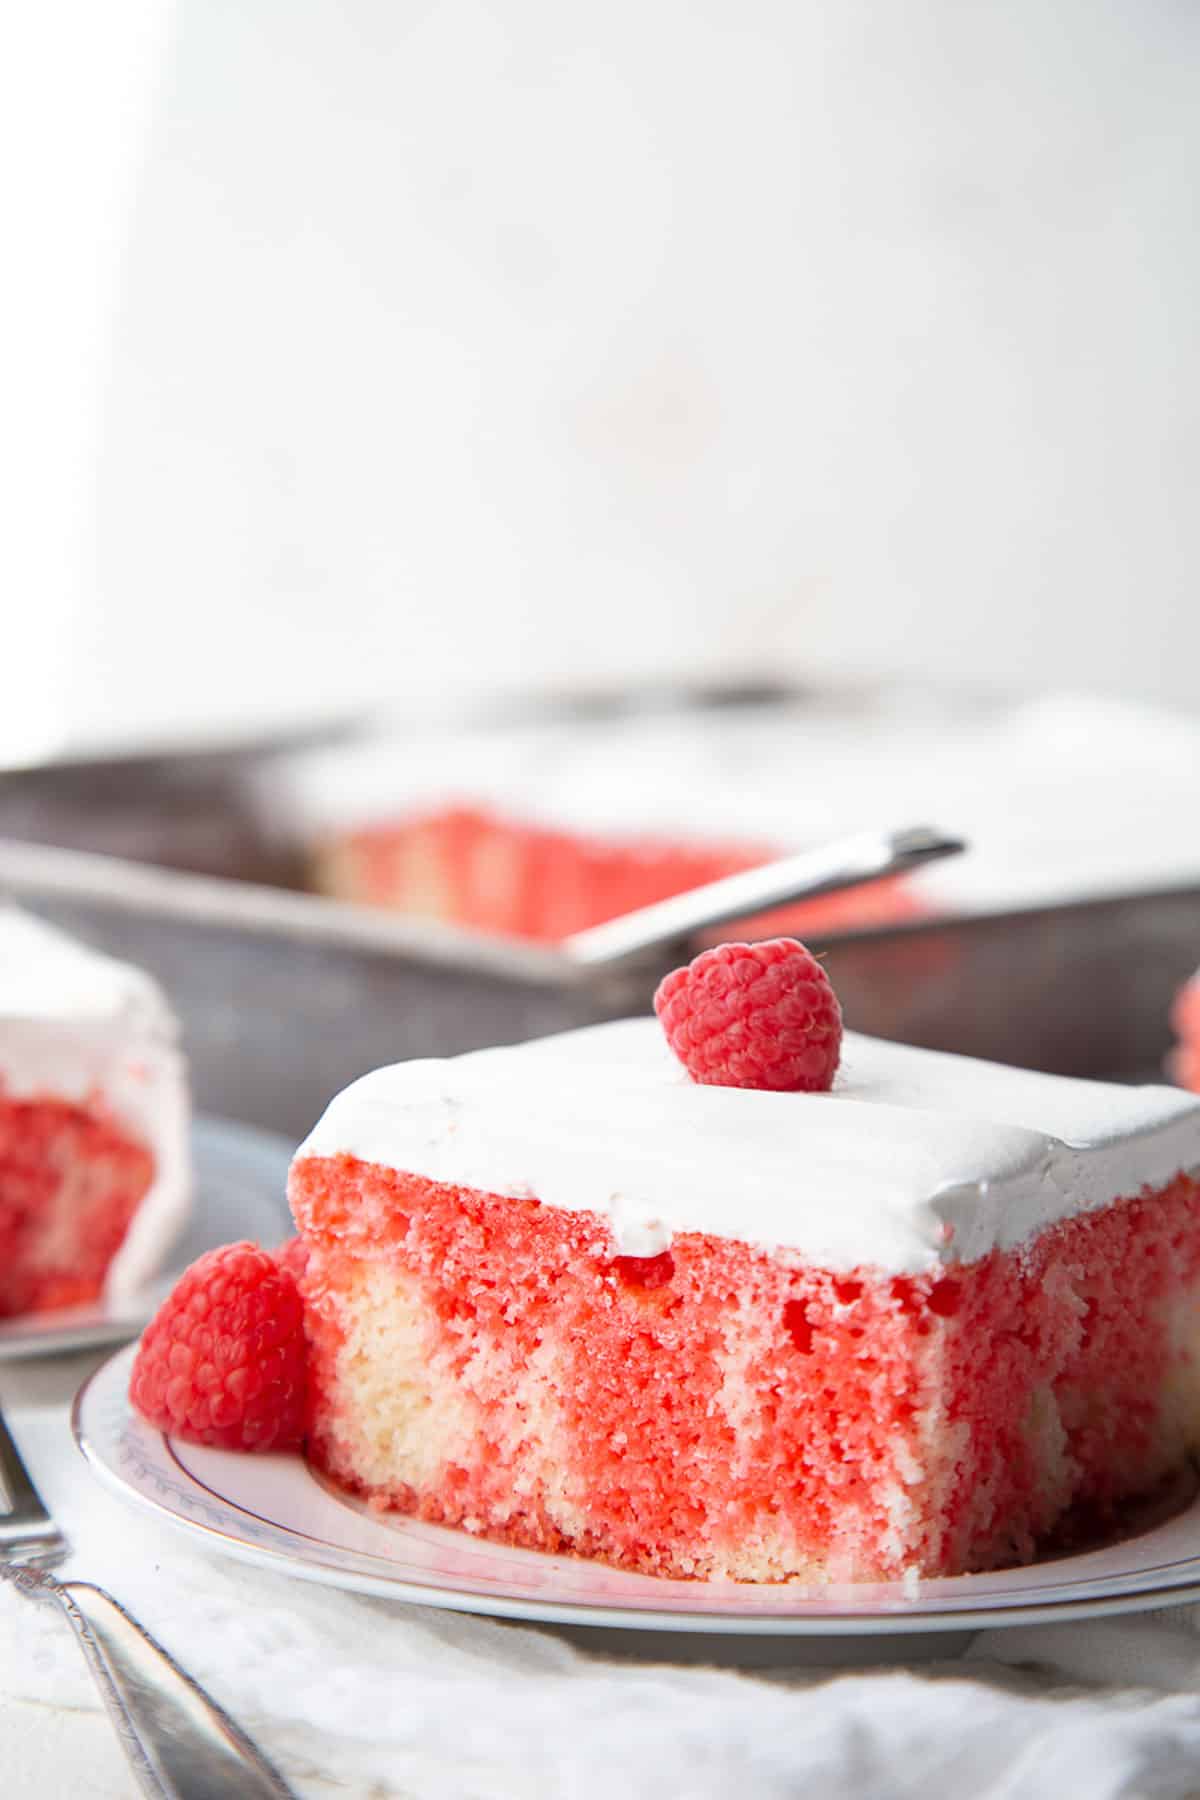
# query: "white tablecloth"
(353, 1696)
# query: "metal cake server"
(850, 862)
(180, 1744)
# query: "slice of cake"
(563, 1296)
(94, 1172)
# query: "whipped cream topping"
(915, 1159)
(75, 1025)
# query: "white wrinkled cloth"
(360, 1697)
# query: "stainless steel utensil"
(850, 862)
(180, 1744)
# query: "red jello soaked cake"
(93, 1122)
(564, 1296)
(1185, 1018)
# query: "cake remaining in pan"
(563, 1296)
(489, 872)
(552, 826)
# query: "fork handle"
(179, 1742)
(24, 1513)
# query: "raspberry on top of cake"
(563, 1295)
(94, 1166)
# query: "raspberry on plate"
(223, 1361)
(754, 1016)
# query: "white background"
(388, 349)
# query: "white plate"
(241, 1176)
(275, 1512)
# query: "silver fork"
(179, 1742)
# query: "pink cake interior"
(471, 867)
(491, 1363)
(71, 1180)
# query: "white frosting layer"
(915, 1158)
(1067, 796)
(75, 1024)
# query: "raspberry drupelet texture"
(754, 1016)
(292, 1255)
(224, 1360)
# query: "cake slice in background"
(1184, 1062)
(94, 1163)
(563, 1296)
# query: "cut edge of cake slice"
(96, 1182)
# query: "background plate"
(241, 1176)
(275, 1512)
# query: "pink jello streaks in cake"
(471, 867)
(71, 1180)
(711, 1410)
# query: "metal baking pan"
(284, 997)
